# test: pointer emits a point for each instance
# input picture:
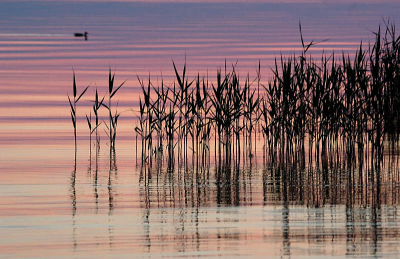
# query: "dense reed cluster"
(351, 101)
(339, 103)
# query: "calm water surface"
(111, 209)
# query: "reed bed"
(309, 110)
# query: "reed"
(113, 119)
(73, 105)
(92, 129)
(97, 103)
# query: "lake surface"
(51, 207)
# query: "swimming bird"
(81, 35)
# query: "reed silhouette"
(112, 127)
(73, 107)
(315, 120)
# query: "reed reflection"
(335, 178)
(95, 177)
(112, 171)
(176, 203)
(73, 204)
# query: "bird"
(82, 35)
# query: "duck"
(82, 35)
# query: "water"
(50, 208)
